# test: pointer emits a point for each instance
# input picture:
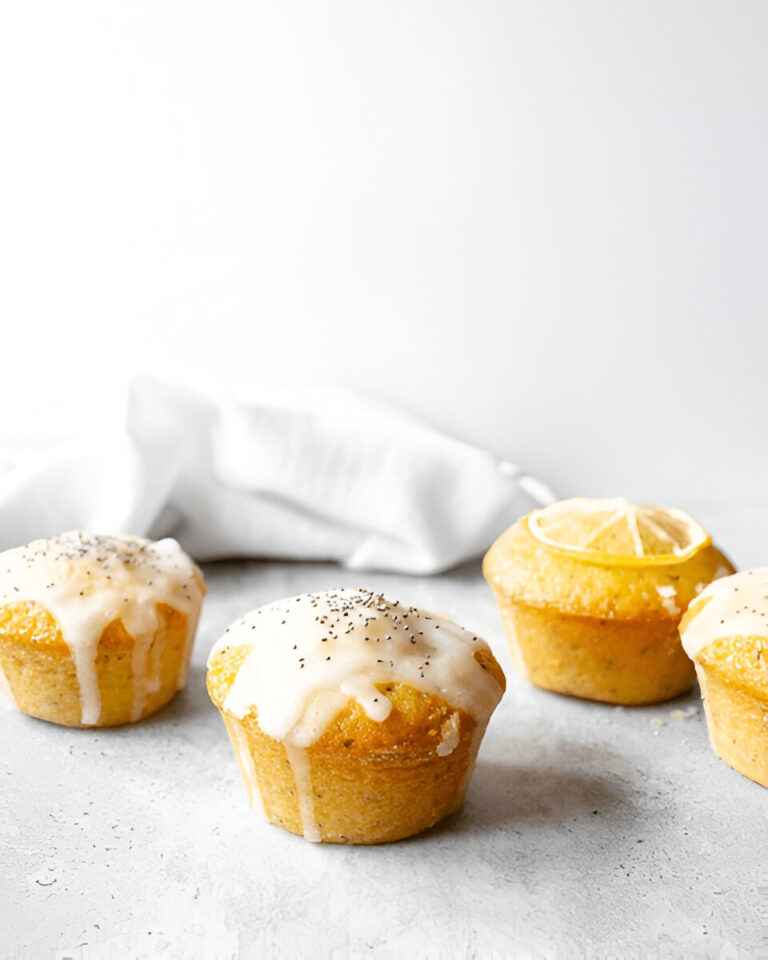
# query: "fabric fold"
(321, 475)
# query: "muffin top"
(726, 630)
(87, 581)
(605, 559)
(735, 606)
(308, 656)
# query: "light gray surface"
(588, 830)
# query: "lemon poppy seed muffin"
(591, 593)
(354, 719)
(725, 633)
(96, 630)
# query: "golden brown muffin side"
(737, 723)
(38, 665)
(741, 662)
(41, 673)
(612, 661)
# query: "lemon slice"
(618, 532)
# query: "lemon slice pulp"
(618, 532)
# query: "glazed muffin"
(354, 719)
(725, 633)
(96, 631)
(591, 593)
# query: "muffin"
(96, 631)
(591, 593)
(725, 633)
(354, 719)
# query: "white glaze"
(449, 736)
(245, 761)
(88, 581)
(735, 606)
(310, 655)
(302, 777)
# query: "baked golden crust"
(371, 782)
(741, 662)
(737, 723)
(40, 670)
(613, 661)
(522, 569)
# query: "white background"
(541, 225)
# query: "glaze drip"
(302, 777)
(245, 761)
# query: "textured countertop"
(588, 830)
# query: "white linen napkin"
(318, 475)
